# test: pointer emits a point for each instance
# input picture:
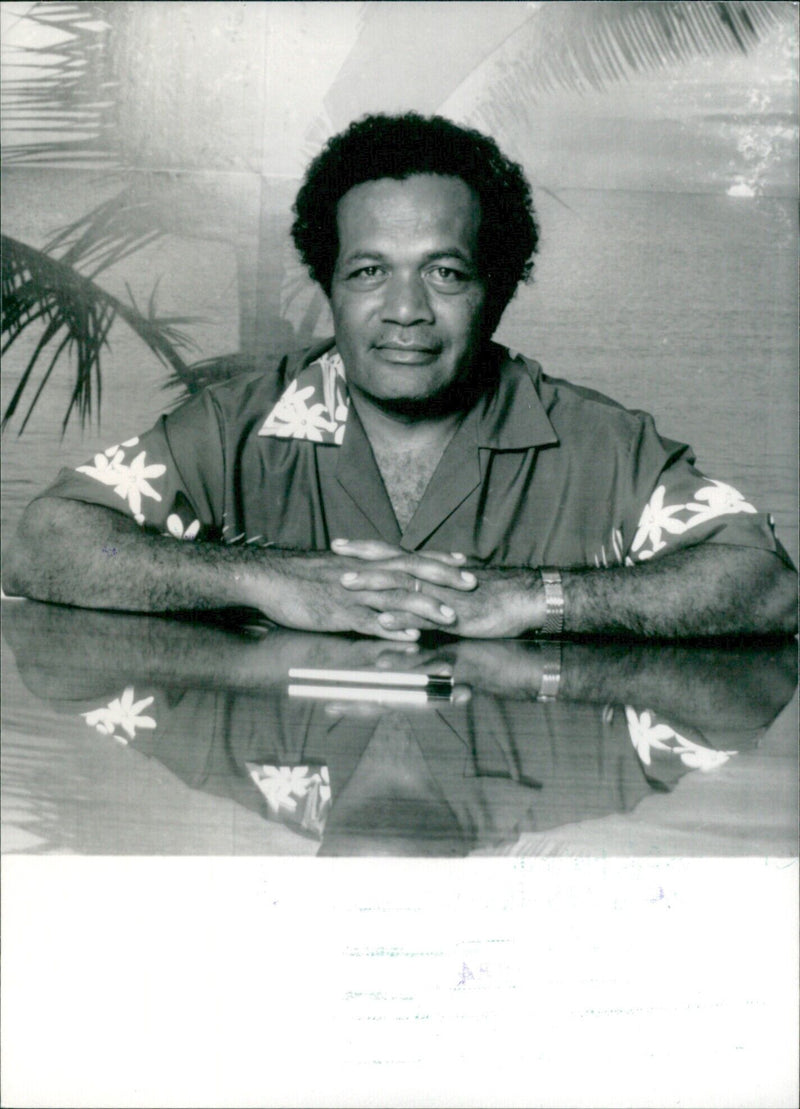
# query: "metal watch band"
(551, 672)
(554, 601)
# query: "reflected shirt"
(482, 774)
(539, 472)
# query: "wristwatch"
(551, 672)
(554, 601)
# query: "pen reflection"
(446, 778)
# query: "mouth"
(407, 354)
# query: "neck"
(399, 429)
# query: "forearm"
(710, 590)
(92, 557)
(704, 591)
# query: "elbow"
(17, 562)
(26, 571)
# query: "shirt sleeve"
(170, 479)
(675, 506)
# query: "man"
(410, 475)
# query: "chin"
(456, 396)
(416, 407)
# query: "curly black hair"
(400, 146)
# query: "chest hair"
(406, 474)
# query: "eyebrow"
(433, 256)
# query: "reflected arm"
(705, 686)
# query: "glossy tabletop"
(127, 734)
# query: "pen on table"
(442, 683)
(388, 695)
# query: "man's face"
(406, 296)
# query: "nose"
(406, 301)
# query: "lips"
(407, 354)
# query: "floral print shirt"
(540, 472)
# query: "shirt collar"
(510, 416)
(314, 406)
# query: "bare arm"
(93, 557)
(707, 590)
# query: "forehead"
(426, 206)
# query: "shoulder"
(585, 416)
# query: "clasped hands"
(410, 592)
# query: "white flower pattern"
(314, 406)
(123, 712)
(720, 500)
(176, 529)
(131, 481)
(648, 736)
(656, 519)
(711, 500)
(297, 793)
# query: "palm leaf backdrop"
(77, 316)
(82, 95)
(68, 92)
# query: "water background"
(684, 305)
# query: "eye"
(448, 277)
(366, 275)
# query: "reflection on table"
(491, 770)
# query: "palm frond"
(213, 371)
(108, 233)
(578, 47)
(67, 91)
(77, 316)
(581, 47)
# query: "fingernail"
(339, 542)
(349, 579)
(467, 578)
(458, 555)
(447, 612)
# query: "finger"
(366, 623)
(374, 550)
(374, 579)
(419, 609)
(391, 620)
(397, 630)
(447, 558)
(436, 572)
(397, 573)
